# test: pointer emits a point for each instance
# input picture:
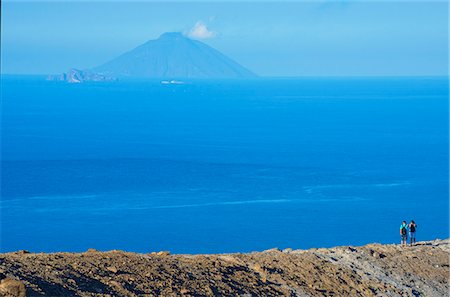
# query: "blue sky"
(324, 38)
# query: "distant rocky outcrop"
(371, 270)
(171, 56)
(79, 76)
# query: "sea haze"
(222, 165)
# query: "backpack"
(404, 230)
(412, 228)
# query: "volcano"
(170, 56)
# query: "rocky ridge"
(78, 76)
(371, 270)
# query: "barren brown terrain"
(371, 270)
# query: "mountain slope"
(173, 55)
(371, 270)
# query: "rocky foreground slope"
(371, 270)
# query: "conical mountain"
(173, 55)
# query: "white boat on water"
(172, 82)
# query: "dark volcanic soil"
(372, 270)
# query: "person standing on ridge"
(412, 232)
(404, 233)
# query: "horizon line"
(257, 77)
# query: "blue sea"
(222, 166)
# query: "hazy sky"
(270, 38)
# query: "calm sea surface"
(222, 166)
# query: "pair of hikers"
(405, 229)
